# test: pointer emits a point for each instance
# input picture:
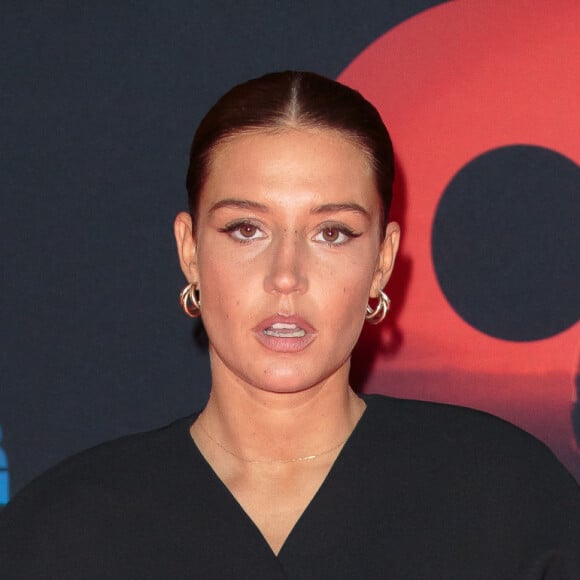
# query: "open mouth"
(284, 330)
(285, 334)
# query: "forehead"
(308, 165)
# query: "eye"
(247, 231)
(243, 231)
(335, 235)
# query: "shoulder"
(468, 442)
(65, 523)
(466, 475)
(443, 423)
(98, 479)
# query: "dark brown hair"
(293, 99)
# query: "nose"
(286, 273)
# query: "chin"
(289, 380)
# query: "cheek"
(218, 266)
(346, 295)
(350, 278)
(229, 291)
(344, 320)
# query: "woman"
(287, 473)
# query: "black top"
(419, 491)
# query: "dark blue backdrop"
(99, 102)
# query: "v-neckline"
(311, 505)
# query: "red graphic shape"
(451, 83)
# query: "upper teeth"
(281, 329)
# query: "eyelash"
(234, 228)
(342, 229)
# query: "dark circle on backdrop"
(506, 243)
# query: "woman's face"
(286, 253)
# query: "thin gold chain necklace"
(270, 461)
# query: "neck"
(269, 427)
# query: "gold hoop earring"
(190, 301)
(377, 315)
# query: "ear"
(386, 258)
(186, 246)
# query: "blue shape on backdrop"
(4, 475)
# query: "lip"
(284, 344)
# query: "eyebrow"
(238, 203)
(335, 207)
(254, 205)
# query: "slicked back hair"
(293, 99)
